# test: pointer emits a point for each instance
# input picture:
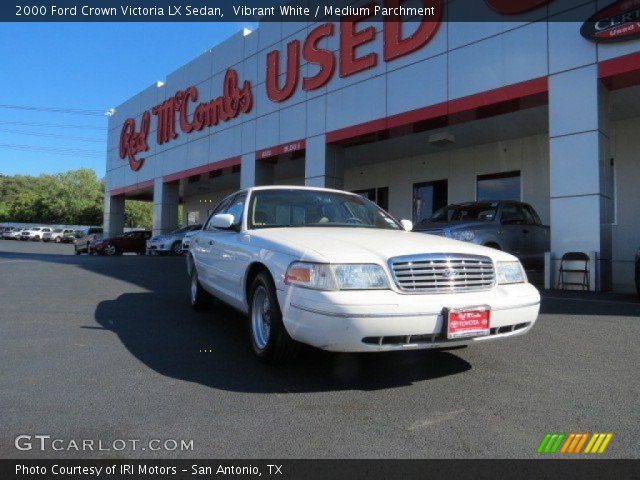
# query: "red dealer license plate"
(468, 322)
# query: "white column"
(166, 197)
(323, 164)
(255, 172)
(113, 215)
(580, 169)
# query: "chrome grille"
(438, 273)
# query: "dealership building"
(413, 115)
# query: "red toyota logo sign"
(618, 22)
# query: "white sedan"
(330, 269)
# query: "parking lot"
(108, 348)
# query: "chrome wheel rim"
(111, 250)
(194, 287)
(261, 317)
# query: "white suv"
(56, 234)
(34, 233)
(331, 269)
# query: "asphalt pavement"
(106, 349)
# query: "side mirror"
(407, 225)
(222, 220)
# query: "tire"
(198, 296)
(36, 238)
(57, 240)
(269, 338)
(110, 250)
(176, 248)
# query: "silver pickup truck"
(514, 227)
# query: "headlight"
(322, 276)
(463, 235)
(510, 272)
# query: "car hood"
(452, 224)
(353, 245)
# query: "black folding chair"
(571, 257)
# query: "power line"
(61, 125)
(53, 135)
(71, 111)
(53, 150)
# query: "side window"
(236, 208)
(219, 209)
(512, 214)
(531, 212)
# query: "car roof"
(295, 187)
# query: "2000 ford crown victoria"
(331, 269)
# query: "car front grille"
(442, 273)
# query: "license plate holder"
(467, 322)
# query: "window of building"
(427, 198)
(379, 196)
(499, 186)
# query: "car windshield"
(483, 212)
(315, 208)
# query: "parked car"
(14, 234)
(638, 272)
(56, 234)
(513, 227)
(135, 242)
(34, 233)
(83, 242)
(72, 236)
(331, 269)
(5, 231)
(170, 242)
(186, 240)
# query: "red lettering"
(395, 46)
(190, 94)
(132, 142)
(274, 92)
(351, 39)
(324, 58)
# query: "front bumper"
(157, 247)
(384, 320)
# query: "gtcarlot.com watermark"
(44, 443)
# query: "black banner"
(319, 469)
(292, 10)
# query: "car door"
(540, 239)
(201, 248)
(229, 256)
(515, 232)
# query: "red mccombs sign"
(234, 100)
(399, 39)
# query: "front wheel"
(199, 297)
(270, 341)
(110, 250)
(176, 248)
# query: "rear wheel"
(110, 249)
(270, 341)
(198, 296)
(176, 248)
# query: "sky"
(86, 66)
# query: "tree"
(72, 198)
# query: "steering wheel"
(355, 220)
